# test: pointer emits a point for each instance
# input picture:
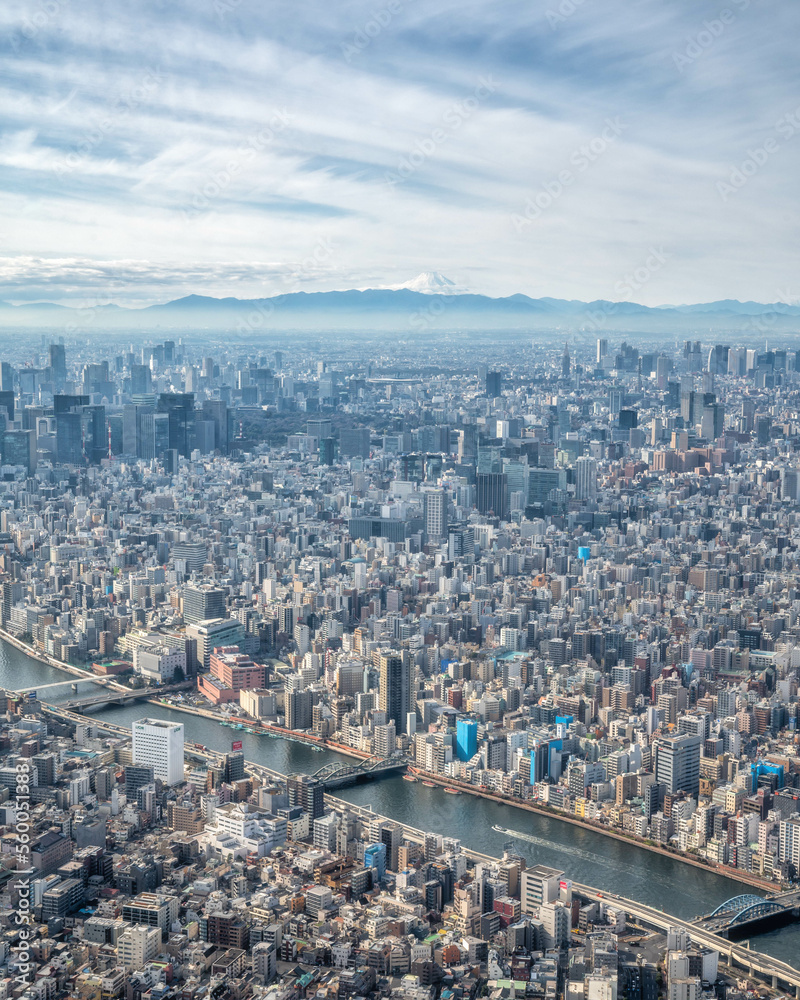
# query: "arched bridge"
(339, 773)
(738, 911)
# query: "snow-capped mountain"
(428, 283)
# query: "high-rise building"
(494, 385)
(394, 688)
(58, 365)
(602, 350)
(491, 493)
(677, 762)
(566, 362)
(159, 744)
(179, 408)
(435, 502)
(203, 602)
(585, 478)
(299, 709)
(466, 739)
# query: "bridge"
(118, 695)
(780, 975)
(737, 916)
(340, 773)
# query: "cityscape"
(399, 500)
(503, 611)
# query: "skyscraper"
(159, 744)
(179, 407)
(585, 478)
(58, 365)
(494, 384)
(435, 502)
(491, 493)
(566, 362)
(677, 762)
(394, 688)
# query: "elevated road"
(778, 974)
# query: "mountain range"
(427, 302)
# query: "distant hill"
(428, 302)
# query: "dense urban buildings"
(565, 579)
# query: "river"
(585, 856)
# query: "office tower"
(58, 365)
(19, 449)
(602, 350)
(6, 377)
(354, 443)
(81, 435)
(467, 444)
(202, 603)
(712, 423)
(216, 411)
(466, 739)
(394, 688)
(677, 762)
(585, 478)
(494, 385)
(541, 482)
(718, 359)
(566, 362)
(663, 366)
(327, 451)
(141, 380)
(7, 403)
(491, 494)
(435, 503)
(179, 408)
(159, 744)
(319, 428)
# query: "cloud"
(226, 134)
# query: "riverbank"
(260, 728)
(45, 658)
(724, 870)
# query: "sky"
(643, 150)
